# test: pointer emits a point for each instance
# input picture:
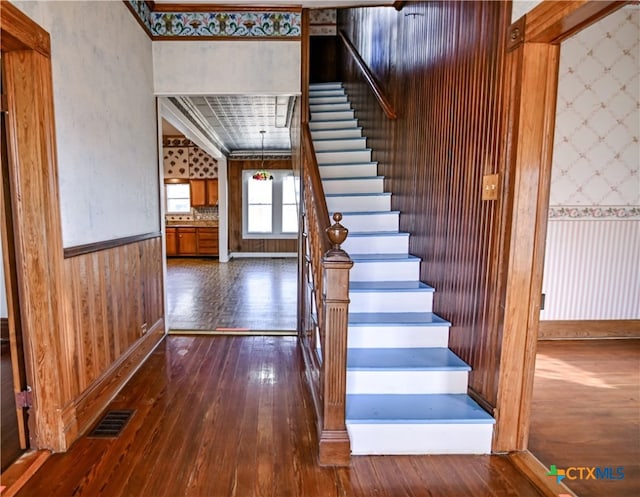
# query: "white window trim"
(276, 213)
(166, 200)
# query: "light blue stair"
(406, 390)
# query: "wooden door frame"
(533, 49)
(37, 228)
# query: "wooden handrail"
(382, 99)
(324, 335)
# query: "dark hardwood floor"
(221, 416)
(586, 412)
(255, 294)
(10, 448)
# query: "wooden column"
(335, 447)
(533, 50)
(37, 227)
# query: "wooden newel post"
(335, 447)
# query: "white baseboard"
(244, 255)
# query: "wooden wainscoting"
(444, 82)
(117, 319)
(236, 242)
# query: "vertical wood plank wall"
(117, 317)
(441, 64)
(236, 242)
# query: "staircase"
(406, 391)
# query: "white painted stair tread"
(396, 319)
(326, 84)
(405, 359)
(383, 257)
(424, 408)
(335, 124)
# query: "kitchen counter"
(200, 223)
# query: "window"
(178, 198)
(269, 206)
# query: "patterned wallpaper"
(596, 160)
(184, 159)
(218, 24)
(323, 22)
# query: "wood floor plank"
(221, 416)
(586, 411)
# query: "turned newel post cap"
(336, 232)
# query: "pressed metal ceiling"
(236, 121)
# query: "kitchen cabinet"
(207, 241)
(171, 238)
(187, 241)
(204, 192)
(192, 241)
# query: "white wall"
(226, 67)
(105, 118)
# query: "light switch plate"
(490, 186)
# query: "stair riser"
(331, 134)
(386, 271)
(365, 185)
(389, 301)
(369, 203)
(340, 124)
(367, 223)
(343, 157)
(341, 144)
(332, 115)
(406, 382)
(429, 438)
(348, 170)
(328, 100)
(379, 244)
(378, 337)
(332, 107)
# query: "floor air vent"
(112, 424)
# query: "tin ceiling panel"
(236, 121)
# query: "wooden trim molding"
(531, 90)
(377, 90)
(21, 33)
(589, 329)
(32, 172)
(86, 409)
(108, 244)
(19, 473)
(555, 21)
(536, 473)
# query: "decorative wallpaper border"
(255, 24)
(594, 212)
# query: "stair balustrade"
(325, 275)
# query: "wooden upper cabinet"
(204, 192)
(198, 192)
(212, 192)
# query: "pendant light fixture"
(262, 174)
